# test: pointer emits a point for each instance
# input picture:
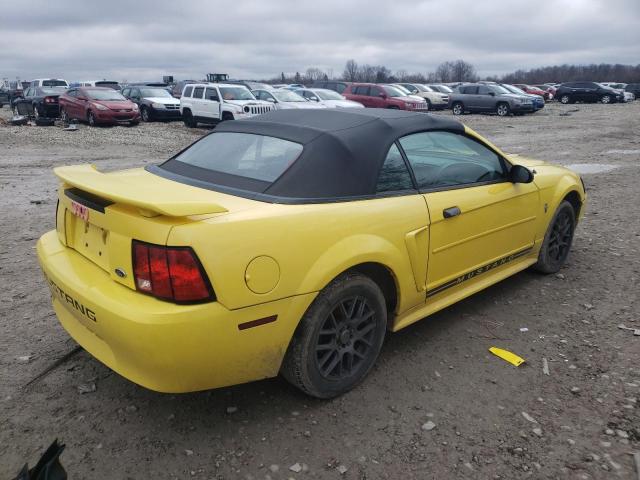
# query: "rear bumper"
(160, 345)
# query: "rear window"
(247, 155)
(54, 83)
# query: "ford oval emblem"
(121, 273)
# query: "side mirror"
(520, 174)
(382, 95)
(314, 99)
(270, 100)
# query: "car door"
(196, 101)
(211, 103)
(470, 99)
(377, 97)
(484, 99)
(479, 219)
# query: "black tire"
(134, 123)
(565, 99)
(457, 108)
(227, 116)
(557, 240)
(188, 119)
(429, 106)
(91, 119)
(502, 109)
(338, 339)
(606, 99)
(145, 114)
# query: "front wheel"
(188, 119)
(606, 99)
(144, 114)
(502, 109)
(457, 108)
(63, 116)
(557, 241)
(339, 338)
(565, 99)
(91, 119)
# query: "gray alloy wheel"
(457, 108)
(502, 109)
(63, 115)
(564, 99)
(91, 119)
(606, 99)
(144, 114)
(339, 337)
(36, 113)
(557, 240)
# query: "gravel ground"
(436, 406)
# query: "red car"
(98, 105)
(383, 96)
(532, 90)
(551, 91)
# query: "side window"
(211, 94)
(482, 90)
(197, 92)
(339, 87)
(394, 175)
(362, 90)
(444, 159)
(125, 92)
(374, 91)
(135, 93)
(471, 90)
(72, 93)
(187, 92)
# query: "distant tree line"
(462, 71)
(603, 72)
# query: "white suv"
(214, 102)
(49, 82)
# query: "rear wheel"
(502, 109)
(457, 108)
(606, 99)
(557, 241)
(188, 119)
(565, 99)
(339, 338)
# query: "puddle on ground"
(622, 152)
(586, 168)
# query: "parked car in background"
(154, 103)
(477, 97)
(633, 88)
(538, 101)
(441, 88)
(331, 85)
(250, 84)
(100, 83)
(550, 90)
(531, 90)
(39, 102)
(177, 89)
(98, 106)
(328, 98)
(283, 99)
(372, 95)
(49, 82)
(588, 92)
(212, 103)
(435, 99)
(12, 89)
(621, 87)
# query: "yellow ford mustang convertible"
(290, 243)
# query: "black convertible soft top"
(343, 151)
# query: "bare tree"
(313, 74)
(351, 71)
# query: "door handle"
(451, 212)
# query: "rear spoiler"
(141, 189)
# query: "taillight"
(170, 273)
(50, 99)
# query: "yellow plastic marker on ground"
(512, 358)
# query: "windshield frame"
(237, 88)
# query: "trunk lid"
(99, 214)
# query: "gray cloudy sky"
(144, 39)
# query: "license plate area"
(80, 211)
(91, 241)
